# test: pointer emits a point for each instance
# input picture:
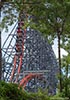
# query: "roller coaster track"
(18, 54)
(19, 50)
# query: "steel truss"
(29, 60)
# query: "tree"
(51, 17)
(56, 22)
(66, 67)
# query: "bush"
(10, 91)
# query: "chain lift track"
(28, 59)
(18, 56)
(19, 48)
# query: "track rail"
(25, 80)
(19, 48)
(18, 57)
(17, 51)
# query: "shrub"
(9, 91)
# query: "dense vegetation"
(9, 91)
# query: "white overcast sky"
(55, 49)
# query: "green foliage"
(8, 15)
(10, 91)
(49, 17)
(65, 76)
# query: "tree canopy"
(48, 16)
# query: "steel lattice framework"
(29, 60)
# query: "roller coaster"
(28, 60)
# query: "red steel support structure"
(25, 80)
(19, 48)
(27, 59)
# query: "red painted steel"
(21, 36)
(25, 80)
(19, 51)
(13, 70)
